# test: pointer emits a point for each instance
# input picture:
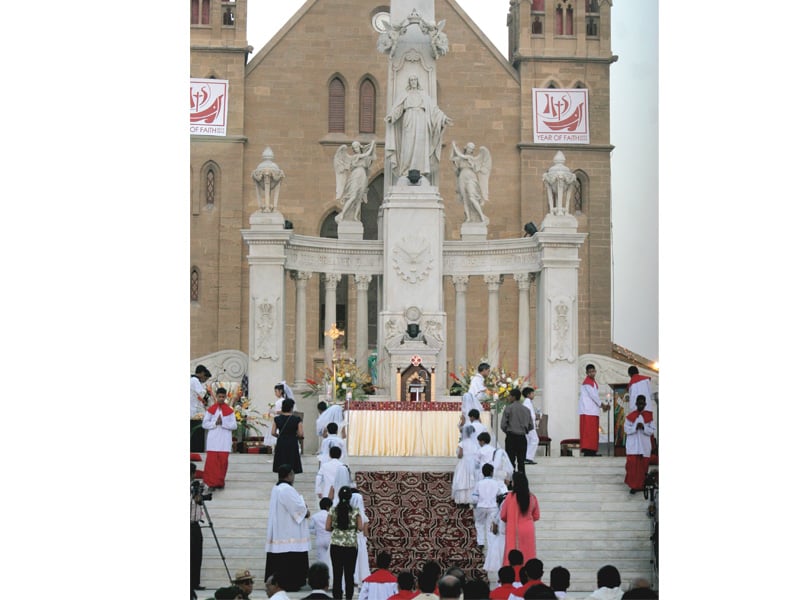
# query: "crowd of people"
(489, 479)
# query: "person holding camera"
(198, 395)
(198, 493)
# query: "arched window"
(336, 106)
(592, 18)
(552, 85)
(210, 184)
(559, 20)
(194, 285)
(201, 12)
(366, 107)
(568, 30)
(330, 229)
(581, 194)
(537, 17)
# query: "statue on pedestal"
(268, 177)
(472, 177)
(352, 179)
(560, 184)
(414, 133)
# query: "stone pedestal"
(413, 231)
(557, 365)
(474, 232)
(351, 230)
(266, 240)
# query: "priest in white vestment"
(287, 532)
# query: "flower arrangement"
(348, 378)
(499, 382)
(247, 420)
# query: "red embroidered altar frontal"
(391, 405)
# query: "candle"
(398, 396)
(433, 384)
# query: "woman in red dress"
(519, 510)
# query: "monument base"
(474, 232)
(350, 230)
(267, 220)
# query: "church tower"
(219, 51)
(565, 45)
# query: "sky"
(634, 162)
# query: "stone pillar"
(331, 281)
(460, 282)
(266, 239)
(362, 321)
(524, 325)
(301, 285)
(493, 283)
(557, 369)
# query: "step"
(588, 517)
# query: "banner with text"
(560, 116)
(208, 102)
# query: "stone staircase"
(588, 517)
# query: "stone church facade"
(320, 83)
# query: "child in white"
(495, 542)
(485, 499)
(331, 438)
(322, 537)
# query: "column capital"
(363, 281)
(493, 282)
(332, 280)
(460, 282)
(523, 280)
(300, 276)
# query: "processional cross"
(334, 333)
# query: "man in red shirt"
(405, 583)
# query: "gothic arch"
(367, 104)
(581, 196)
(210, 185)
(337, 102)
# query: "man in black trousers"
(516, 423)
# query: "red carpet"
(412, 516)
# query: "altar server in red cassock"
(639, 427)
(638, 385)
(589, 406)
(220, 421)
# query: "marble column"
(493, 283)
(524, 325)
(362, 321)
(460, 282)
(301, 286)
(331, 281)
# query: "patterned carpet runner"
(412, 516)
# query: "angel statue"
(472, 177)
(352, 179)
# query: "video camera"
(196, 490)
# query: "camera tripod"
(202, 504)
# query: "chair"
(544, 439)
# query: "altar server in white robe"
(639, 385)
(288, 538)
(532, 436)
(220, 421)
(476, 393)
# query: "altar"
(391, 428)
